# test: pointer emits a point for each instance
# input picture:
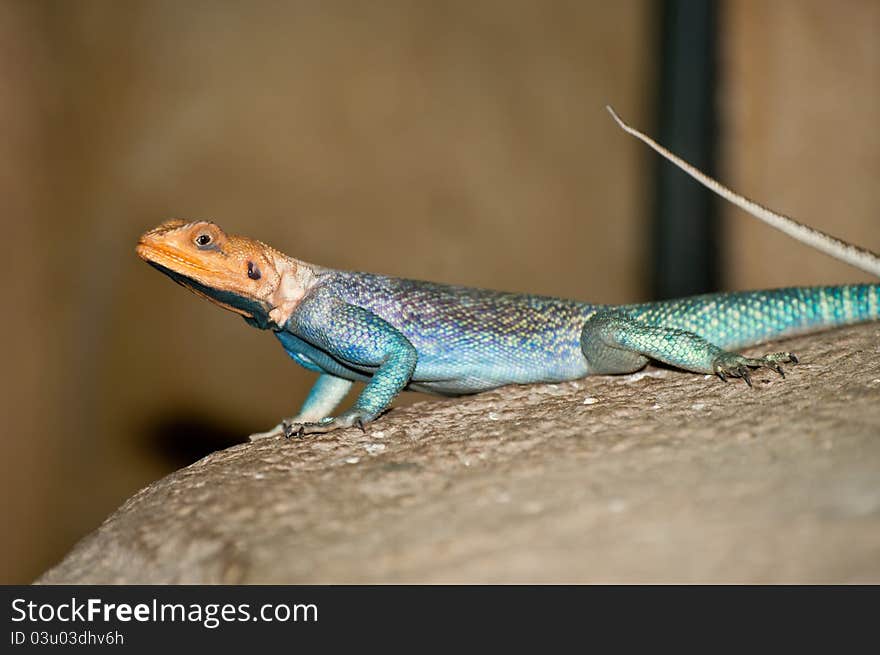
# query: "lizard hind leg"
(614, 342)
(605, 345)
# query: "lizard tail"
(854, 255)
(743, 318)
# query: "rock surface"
(660, 476)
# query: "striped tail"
(737, 319)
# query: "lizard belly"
(479, 367)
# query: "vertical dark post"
(685, 235)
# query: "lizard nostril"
(253, 271)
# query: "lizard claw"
(292, 429)
(734, 365)
(776, 367)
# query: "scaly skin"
(397, 334)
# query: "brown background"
(459, 141)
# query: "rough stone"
(660, 476)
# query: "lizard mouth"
(197, 288)
(203, 281)
(166, 258)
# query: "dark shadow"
(181, 437)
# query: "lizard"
(395, 334)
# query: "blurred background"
(463, 142)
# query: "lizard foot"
(344, 420)
(737, 366)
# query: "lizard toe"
(351, 418)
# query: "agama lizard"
(397, 334)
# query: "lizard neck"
(295, 280)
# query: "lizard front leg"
(614, 342)
(325, 396)
(358, 338)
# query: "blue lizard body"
(468, 340)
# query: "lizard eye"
(203, 240)
(254, 271)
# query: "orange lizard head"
(237, 273)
